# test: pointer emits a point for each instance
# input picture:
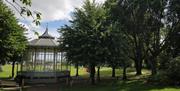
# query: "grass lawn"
(133, 84)
(6, 71)
(121, 86)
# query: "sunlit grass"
(6, 71)
(104, 71)
(133, 84)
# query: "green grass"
(135, 83)
(104, 71)
(120, 86)
(6, 71)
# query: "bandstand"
(43, 61)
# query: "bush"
(160, 78)
(164, 60)
(173, 71)
(169, 76)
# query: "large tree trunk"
(124, 73)
(138, 56)
(77, 70)
(92, 73)
(153, 66)
(13, 66)
(138, 66)
(0, 68)
(113, 71)
(157, 51)
(98, 74)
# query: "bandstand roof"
(45, 40)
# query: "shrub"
(160, 78)
(169, 76)
(173, 71)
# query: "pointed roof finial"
(46, 27)
(46, 34)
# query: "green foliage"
(173, 71)
(164, 60)
(93, 39)
(121, 30)
(83, 40)
(24, 10)
(170, 75)
(159, 79)
(150, 27)
(12, 39)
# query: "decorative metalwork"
(43, 58)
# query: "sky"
(55, 13)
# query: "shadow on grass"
(135, 83)
(115, 85)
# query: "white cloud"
(53, 10)
(30, 34)
(57, 9)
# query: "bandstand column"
(61, 60)
(35, 59)
(32, 64)
(54, 59)
(44, 59)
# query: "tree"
(12, 39)
(18, 47)
(174, 25)
(119, 49)
(82, 39)
(129, 14)
(70, 46)
(113, 41)
(144, 23)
